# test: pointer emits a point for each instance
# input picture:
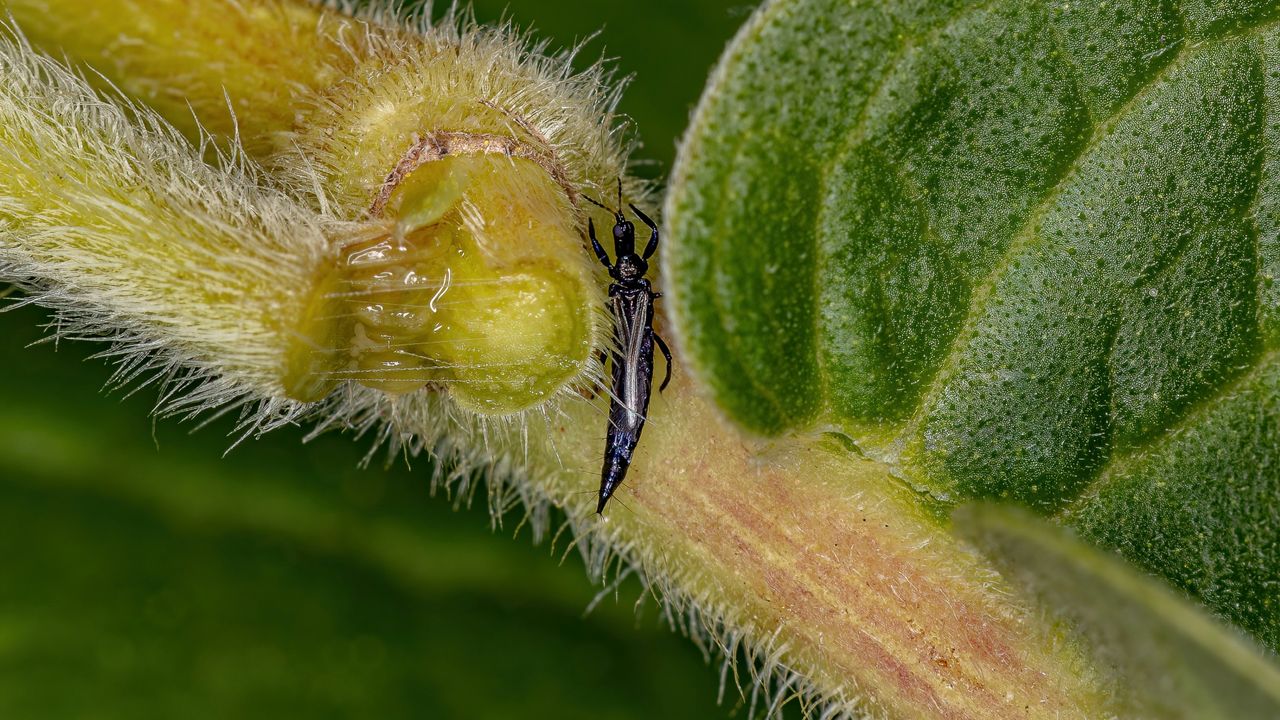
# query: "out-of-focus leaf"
(1177, 662)
(156, 579)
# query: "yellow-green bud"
(450, 162)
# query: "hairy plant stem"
(813, 563)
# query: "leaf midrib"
(1026, 236)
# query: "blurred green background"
(144, 575)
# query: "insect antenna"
(598, 204)
(616, 212)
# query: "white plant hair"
(112, 219)
(107, 212)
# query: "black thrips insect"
(631, 298)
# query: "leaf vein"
(1026, 236)
(1261, 357)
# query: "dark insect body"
(631, 300)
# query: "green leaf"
(1020, 251)
(1177, 662)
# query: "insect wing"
(633, 312)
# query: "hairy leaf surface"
(1021, 251)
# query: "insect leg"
(595, 245)
(652, 247)
(666, 353)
